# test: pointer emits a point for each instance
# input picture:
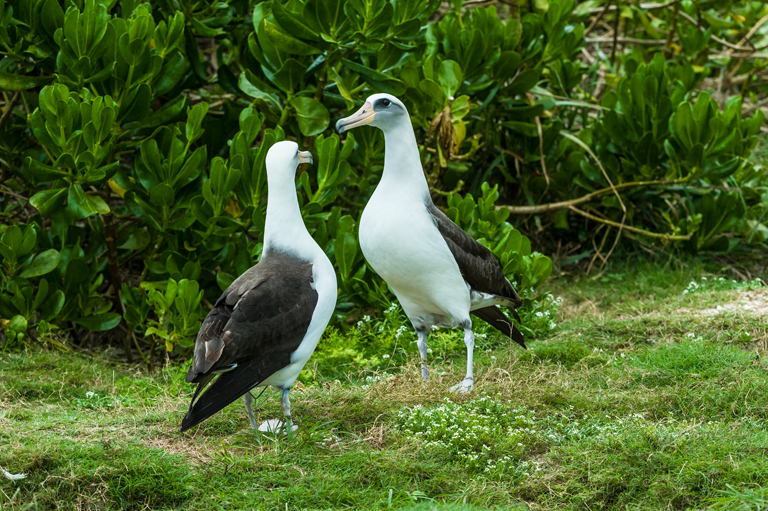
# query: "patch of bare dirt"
(575, 307)
(752, 302)
(195, 452)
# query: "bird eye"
(386, 102)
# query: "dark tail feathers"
(498, 320)
(227, 388)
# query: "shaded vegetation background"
(133, 138)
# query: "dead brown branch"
(555, 206)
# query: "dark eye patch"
(383, 103)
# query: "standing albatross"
(438, 272)
(266, 325)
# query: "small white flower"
(493, 357)
(385, 356)
(90, 394)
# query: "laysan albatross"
(438, 272)
(266, 325)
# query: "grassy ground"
(652, 393)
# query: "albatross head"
(384, 111)
(286, 155)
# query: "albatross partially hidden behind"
(438, 272)
(266, 325)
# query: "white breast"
(403, 245)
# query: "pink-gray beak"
(359, 118)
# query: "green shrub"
(134, 137)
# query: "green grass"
(644, 397)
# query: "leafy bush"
(134, 136)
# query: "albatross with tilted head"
(266, 325)
(438, 272)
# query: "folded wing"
(482, 272)
(250, 334)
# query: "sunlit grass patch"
(565, 352)
(691, 357)
(746, 498)
(661, 462)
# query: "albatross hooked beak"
(305, 157)
(359, 118)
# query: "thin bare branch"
(9, 108)
(627, 40)
(584, 146)
(555, 206)
(664, 237)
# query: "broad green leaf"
(83, 205)
(506, 66)
(292, 23)
(44, 262)
(51, 16)
(99, 322)
(17, 324)
(44, 173)
(381, 81)
(290, 75)
(136, 240)
(49, 201)
(312, 116)
(272, 101)
(9, 81)
(162, 195)
(193, 55)
(52, 305)
(173, 70)
(330, 16)
(345, 251)
(450, 77)
(526, 128)
(13, 239)
(204, 30)
(287, 43)
(523, 82)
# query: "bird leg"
(466, 386)
(422, 344)
(248, 398)
(287, 411)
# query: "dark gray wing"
(482, 272)
(253, 329)
(477, 263)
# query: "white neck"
(285, 227)
(403, 172)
